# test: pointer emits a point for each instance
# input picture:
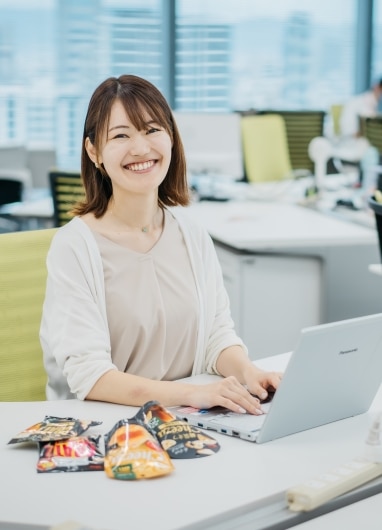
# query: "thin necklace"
(144, 229)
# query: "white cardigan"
(74, 330)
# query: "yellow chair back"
(335, 112)
(265, 148)
(22, 289)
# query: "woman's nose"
(139, 145)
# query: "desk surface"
(38, 204)
(262, 226)
(242, 472)
(352, 517)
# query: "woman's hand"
(252, 380)
(228, 393)
(259, 382)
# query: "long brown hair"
(139, 97)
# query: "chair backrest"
(265, 148)
(22, 289)
(301, 127)
(335, 114)
(66, 189)
(10, 190)
(372, 130)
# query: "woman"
(135, 296)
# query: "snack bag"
(132, 452)
(80, 453)
(177, 437)
(53, 428)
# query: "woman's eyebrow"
(118, 127)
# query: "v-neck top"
(151, 305)
(75, 334)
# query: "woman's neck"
(145, 217)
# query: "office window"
(284, 53)
(377, 41)
(228, 55)
(53, 53)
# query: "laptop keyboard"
(241, 421)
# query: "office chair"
(372, 129)
(11, 190)
(265, 148)
(335, 114)
(301, 127)
(22, 289)
(66, 189)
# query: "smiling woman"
(135, 296)
(135, 157)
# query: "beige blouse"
(152, 305)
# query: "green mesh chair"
(301, 127)
(66, 189)
(22, 289)
(372, 130)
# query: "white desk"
(241, 473)
(288, 266)
(275, 226)
(36, 211)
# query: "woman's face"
(136, 161)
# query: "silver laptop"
(334, 373)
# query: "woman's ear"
(91, 151)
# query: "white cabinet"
(272, 297)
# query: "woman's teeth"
(141, 166)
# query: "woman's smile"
(141, 166)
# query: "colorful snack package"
(80, 453)
(53, 428)
(132, 452)
(177, 437)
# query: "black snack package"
(177, 437)
(53, 428)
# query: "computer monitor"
(212, 143)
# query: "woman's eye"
(121, 135)
(152, 130)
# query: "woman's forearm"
(126, 389)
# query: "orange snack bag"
(131, 452)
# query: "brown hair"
(139, 97)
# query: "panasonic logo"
(344, 352)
